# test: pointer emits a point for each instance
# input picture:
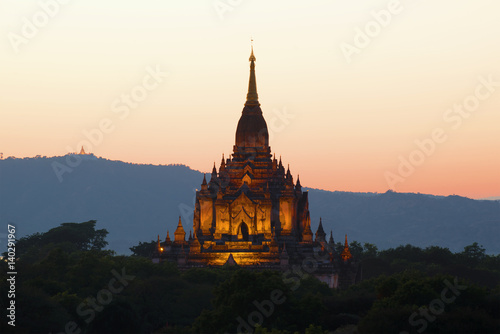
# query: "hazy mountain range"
(137, 202)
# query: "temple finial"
(346, 254)
(179, 234)
(252, 97)
(252, 57)
(298, 186)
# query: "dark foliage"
(67, 283)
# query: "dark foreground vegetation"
(67, 283)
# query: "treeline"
(68, 283)
(472, 263)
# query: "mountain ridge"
(136, 202)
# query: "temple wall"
(206, 215)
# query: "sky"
(359, 96)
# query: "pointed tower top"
(180, 234)
(252, 57)
(214, 173)
(298, 186)
(82, 151)
(204, 185)
(320, 227)
(252, 97)
(222, 164)
(331, 238)
(320, 233)
(346, 254)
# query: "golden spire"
(252, 97)
(346, 254)
(252, 57)
(180, 234)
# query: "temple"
(251, 213)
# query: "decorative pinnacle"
(252, 97)
(222, 163)
(252, 56)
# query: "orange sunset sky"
(358, 96)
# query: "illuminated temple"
(251, 213)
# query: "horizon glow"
(350, 119)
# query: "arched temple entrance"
(243, 232)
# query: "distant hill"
(137, 202)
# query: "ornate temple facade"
(252, 213)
